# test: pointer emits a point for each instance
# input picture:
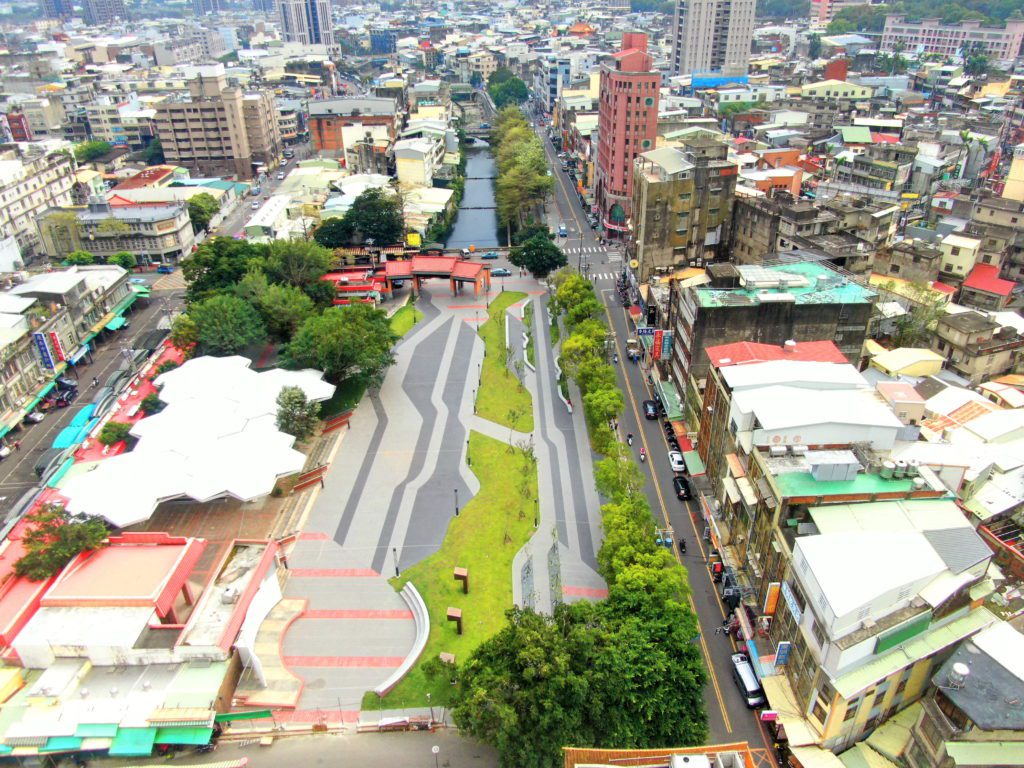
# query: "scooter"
(643, 456)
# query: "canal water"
(476, 223)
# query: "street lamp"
(434, 749)
(394, 554)
(456, 502)
(468, 462)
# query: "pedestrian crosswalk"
(598, 276)
(594, 249)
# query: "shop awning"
(62, 744)
(78, 354)
(39, 396)
(693, 463)
(90, 730)
(115, 324)
(133, 742)
(126, 302)
(184, 735)
(731, 491)
(101, 324)
(252, 714)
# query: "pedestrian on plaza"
(17, 445)
(95, 382)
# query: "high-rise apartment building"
(712, 36)
(307, 22)
(627, 126)
(262, 128)
(1002, 43)
(202, 7)
(99, 13)
(57, 9)
(207, 131)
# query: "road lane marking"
(664, 512)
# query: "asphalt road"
(16, 472)
(728, 717)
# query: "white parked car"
(675, 460)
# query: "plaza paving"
(390, 493)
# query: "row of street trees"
(506, 89)
(523, 181)
(241, 294)
(624, 672)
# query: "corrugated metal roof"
(959, 548)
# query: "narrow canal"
(476, 223)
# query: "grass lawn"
(404, 319)
(347, 395)
(556, 332)
(484, 538)
(500, 392)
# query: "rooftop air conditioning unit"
(229, 596)
(777, 450)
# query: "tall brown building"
(218, 130)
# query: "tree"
(151, 404)
(511, 91)
(539, 255)
(184, 333)
(201, 209)
(114, 432)
(296, 262)
(153, 154)
(375, 215)
(530, 231)
(476, 79)
(122, 259)
(284, 308)
(499, 76)
(295, 415)
(350, 343)
(88, 151)
(217, 265)
(782, 9)
(79, 258)
(53, 539)
(814, 46)
(333, 233)
(226, 324)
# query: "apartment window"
(851, 710)
(949, 267)
(818, 633)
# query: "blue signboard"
(645, 331)
(787, 594)
(782, 653)
(44, 350)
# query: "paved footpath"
(390, 492)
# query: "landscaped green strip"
(501, 397)
(404, 319)
(556, 332)
(484, 538)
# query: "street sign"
(658, 344)
(44, 351)
(645, 331)
(782, 653)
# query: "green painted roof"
(892, 737)
(845, 292)
(184, 735)
(96, 730)
(62, 744)
(986, 752)
(804, 484)
(196, 686)
(906, 654)
(855, 134)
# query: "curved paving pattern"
(390, 494)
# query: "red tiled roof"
(936, 285)
(398, 269)
(884, 138)
(146, 177)
(985, 277)
(467, 269)
(741, 352)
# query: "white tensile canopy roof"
(217, 437)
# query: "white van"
(747, 682)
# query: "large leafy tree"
(227, 324)
(217, 265)
(284, 308)
(88, 151)
(124, 259)
(333, 233)
(296, 262)
(53, 538)
(79, 258)
(202, 208)
(539, 255)
(347, 343)
(375, 215)
(184, 334)
(505, 88)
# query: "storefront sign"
(658, 336)
(666, 345)
(782, 653)
(645, 331)
(58, 349)
(790, 598)
(44, 350)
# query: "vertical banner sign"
(656, 351)
(58, 349)
(44, 351)
(666, 345)
(782, 653)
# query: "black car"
(682, 487)
(673, 444)
(650, 410)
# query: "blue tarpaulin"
(67, 437)
(84, 431)
(83, 416)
